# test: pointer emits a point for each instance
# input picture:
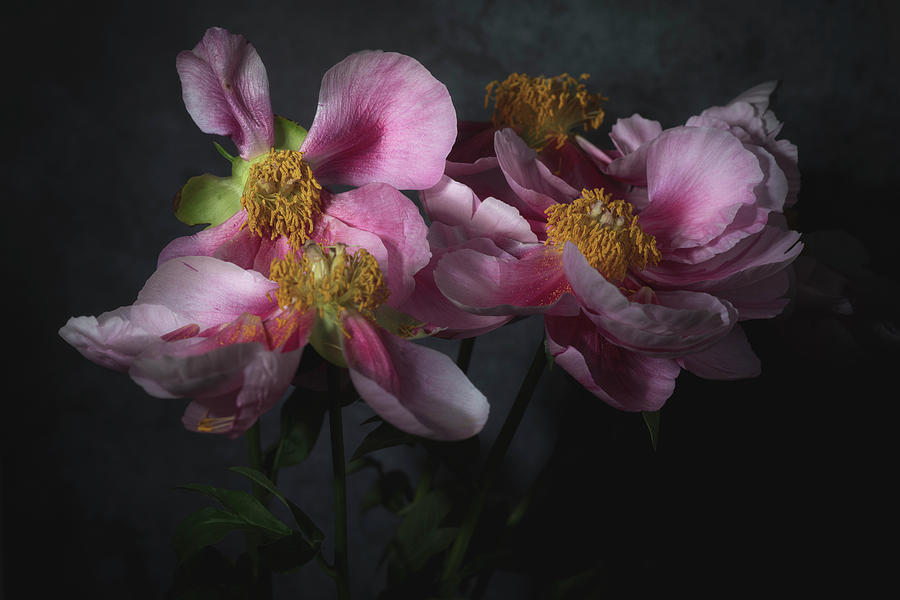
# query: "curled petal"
(623, 379)
(382, 117)
(226, 90)
(416, 389)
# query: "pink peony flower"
(633, 285)
(229, 310)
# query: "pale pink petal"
(449, 202)
(528, 177)
(732, 358)
(392, 217)
(599, 157)
(504, 285)
(487, 180)
(631, 168)
(226, 90)
(382, 117)
(631, 133)
(416, 389)
(762, 299)
(623, 379)
(115, 338)
(681, 322)
(698, 179)
(208, 291)
(758, 95)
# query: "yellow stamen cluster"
(543, 109)
(605, 231)
(215, 424)
(329, 279)
(282, 197)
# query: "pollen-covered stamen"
(329, 280)
(282, 197)
(605, 231)
(544, 109)
(215, 424)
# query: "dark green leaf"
(313, 534)
(206, 575)
(421, 519)
(287, 553)
(651, 419)
(245, 507)
(383, 436)
(302, 416)
(204, 528)
(391, 490)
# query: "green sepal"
(288, 134)
(400, 323)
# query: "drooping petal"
(208, 291)
(382, 117)
(681, 322)
(500, 284)
(226, 90)
(416, 389)
(623, 379)
(631, 133)
(732, 358)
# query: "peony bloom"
(637, 281)
(225, 317)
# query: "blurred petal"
(732, 358)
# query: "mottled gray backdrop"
(774, 484)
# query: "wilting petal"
(115, 338)
(681, 322)
(528, 177)
(416, 389)
(226, 90)
(382, 117)
(208, 291)
(732, 358)
(631, 133)
(623, 379)
(501, 284)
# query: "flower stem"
(262, 577)
(341, 580)
(450, 576)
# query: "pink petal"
(731, 358)
(758, 95)
(416, 389)
(681, 322)
(762, 299)
(487, 180)
(631, 133)
(623, 379)
(577, 169)
(630, 168)
(382, 117)
(208, 291)
(226, 90)
(599, 157)
(698, 179)
(500, 284)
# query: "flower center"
(605, 231)
(282, 197)
(329, 280)
(543, 109)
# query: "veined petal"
(623, 379)
(226, 90)
(416, 389)
(382, 117)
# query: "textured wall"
(754, 473)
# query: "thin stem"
(450, 576)
(341, 579)
(263, 583)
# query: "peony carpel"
(638, 276)
(227, 314)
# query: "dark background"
(778, 484)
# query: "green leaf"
(245, 507)
(309, 529)
(419, 535)
(204, 528)
(287, 553)
(383, 436)
(651, 419)
(288, 134)
(551, 360)
(302, 416)
(206, 575)
(207, 199)
(391, 490)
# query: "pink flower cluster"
(643, 259)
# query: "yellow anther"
(329, 280)
(544, 109)
(282, 197)
(605, 231)
(215, 424)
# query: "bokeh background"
(778, 484)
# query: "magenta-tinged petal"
(681, 322)
(732, 358)
(115, 338)
(528, 177)
(698, 179)
(416, 389)
(393, 218)
(226, 90)
(599, 157)
(623, 379)
(504, 285)
(474, 140)
(577, 169)
(382, 117)
(631, 133)
(208, 291)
